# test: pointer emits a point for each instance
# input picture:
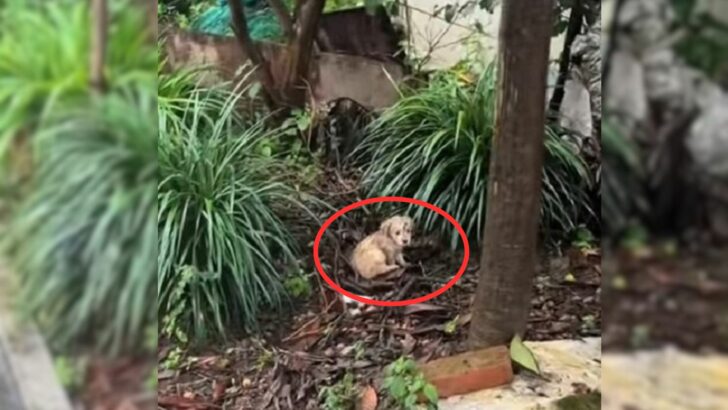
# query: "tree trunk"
(611, 43)
(291, 91)
(250, 49)
(575, 23)
(509, 257)
(301, 50)
(99, 13)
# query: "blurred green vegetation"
(704, 40)
(81, 234)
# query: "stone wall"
(370, 82)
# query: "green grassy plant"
(623, 180)
(435, 144)
(219, 225)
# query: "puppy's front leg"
(400, 260)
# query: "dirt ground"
(320, 339)
(658, 295)
(118, 385)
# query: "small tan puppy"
(381, 252)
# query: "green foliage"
(219, 229)
(705, 45)
(44, 54)
(634, 238)
(175, 359)
(622, 180)
(341, 396)
(335, 5)
(70, 372)
(523, 356)
(583, 238)
(435, 144)
(173, 320)
(182, 100)
(182, 13)
(152, 380)
(588, 401)
(405, 385)
(85, 238)
(298, 285)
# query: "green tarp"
(262, 22)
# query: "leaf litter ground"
(321, 339)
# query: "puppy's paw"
(397, 273)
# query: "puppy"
(381, 252)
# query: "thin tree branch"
(250, 49)
(99, 12)
(574, 28)
(302, 47)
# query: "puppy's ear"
(409, 222)
(386, 226)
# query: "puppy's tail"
(354, 307)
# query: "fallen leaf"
(166, 374)
(368, 399)
(464, 320)
(523, 356)
(218, 390)
(179, 403)
(452, 326)
(430, 393)
(408, 344)
(422, 307)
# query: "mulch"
(323, 338)
(117, 384)
(658, 296)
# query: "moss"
(587, 401)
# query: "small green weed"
(171, 323)
(298, 285)
(359, 350)
(405, 384)
(635, 238)
(340, 396)
(583, 239)
(70, 372)
(265, 359)
(174, 359)
(151, 383)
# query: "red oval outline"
(359, 204)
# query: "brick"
(470, 371)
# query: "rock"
(708, 140)
(626, 87)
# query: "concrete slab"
(9, 397)
(564, 364)
(26, 366)
(666, 379)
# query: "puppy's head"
(399, 228)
